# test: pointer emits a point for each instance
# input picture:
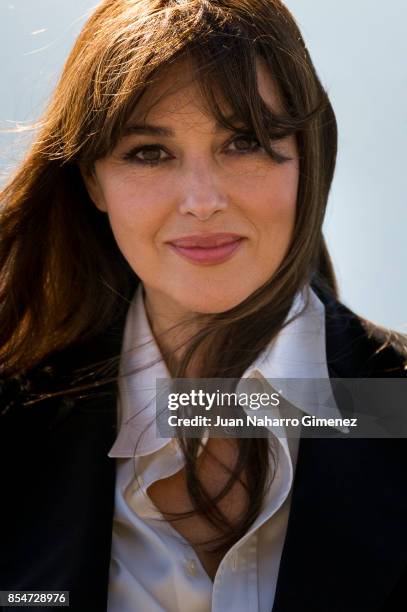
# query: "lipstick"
(207, 248)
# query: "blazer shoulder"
(75, 375)
(358, 347)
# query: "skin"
(204, 182)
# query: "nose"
(202, 194)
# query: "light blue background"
(359, 48)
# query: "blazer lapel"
(346, 542)
(61, 485)
(93, 426)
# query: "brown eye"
(147, 155)
(244, 144)
(249, 145)
(150, 155)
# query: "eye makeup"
(133, 154)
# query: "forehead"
(176, 96)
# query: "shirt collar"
(298, 352)
(295, 362)
(141, 364)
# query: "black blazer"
(346, 542)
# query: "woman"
(167, 223)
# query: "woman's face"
(183, 177)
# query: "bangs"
(222, 54)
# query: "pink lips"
(207, 248)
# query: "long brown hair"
(63, 278)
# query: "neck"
(173, 331)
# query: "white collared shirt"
(152, 566)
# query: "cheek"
(135, 213)
(275, 203)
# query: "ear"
(93, 187)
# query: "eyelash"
(131, 155)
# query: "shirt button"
(190, 567)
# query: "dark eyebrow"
(147, 129)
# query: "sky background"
(359, 48)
